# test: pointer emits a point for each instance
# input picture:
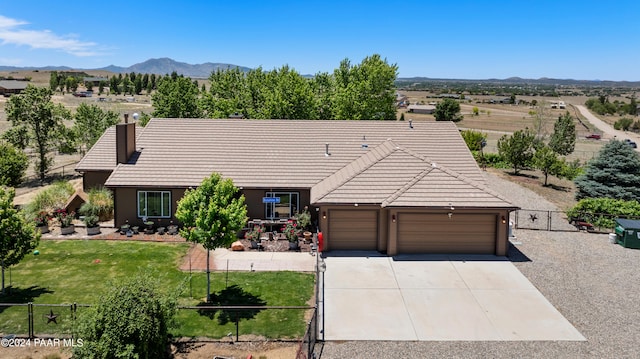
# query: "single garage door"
(353, 229)
(436, 233)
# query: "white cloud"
(11, 33)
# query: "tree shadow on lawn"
(22, 295)
(231, 296)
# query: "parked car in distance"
(630, 143)
(594, 136)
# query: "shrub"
(102, 201)
(623, 124)
(131, 320)
(601, 212)
(303, 218)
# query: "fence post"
(237, 327)
(30, 312)
(548, 220)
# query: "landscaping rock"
(237, 246)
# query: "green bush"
(623, 124)
(131, 320)
(491, 160)
(602, 212)
(13, 165)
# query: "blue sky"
(584, 40)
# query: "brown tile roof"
(393, 176)
(273, 153)
(102, 156)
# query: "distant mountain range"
(166, 65)
(160, 66)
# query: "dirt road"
(607, 130)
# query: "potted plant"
(66, 220)
(92, 224)
(42, 221)
(303, 219)
(292, 232)
(254, 235)
(90, 218)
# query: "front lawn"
(76, 271)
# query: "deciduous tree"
(90, 123)
(517, 149)
(176, 97)
(35, 110)
(448, 110)
(13, 165)
(17, 235)
(563, 139)
(212, 215)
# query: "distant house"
(370, 185)
(95, 81)
(426, 109)
(10, 87)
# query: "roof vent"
(364, 142)
(434, 165)
(410, 123)
(326, 150)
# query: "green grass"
(79, 271)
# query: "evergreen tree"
(614, 173)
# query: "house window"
(286, 207)
(154, 204)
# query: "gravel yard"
(593, 283)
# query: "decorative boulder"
(237, 246)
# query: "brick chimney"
(125, 140)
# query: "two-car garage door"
(437, 233)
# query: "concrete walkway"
(439, 298)
(223, 259)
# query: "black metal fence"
(559, 221)
(542, 220)
(307, 347)
(60, 320)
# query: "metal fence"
(60, 320)
(542, 220)
(559, 221)
(306, 350)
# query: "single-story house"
(10, 87)
(370, 185)
(426, 109)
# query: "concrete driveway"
(435, 297)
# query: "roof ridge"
(388, 145)
(473, 183)
(406, 187)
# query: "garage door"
(436, 233)
(353, 230)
